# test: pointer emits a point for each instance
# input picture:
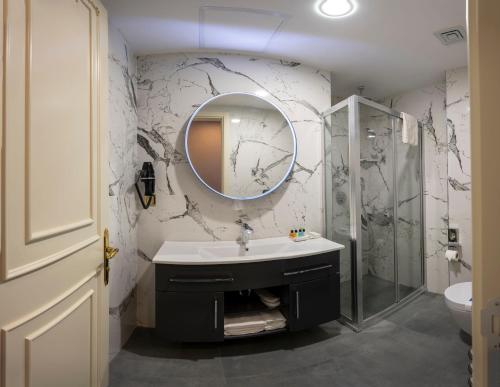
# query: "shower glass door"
(374, 207)
(376, 180)
(338, 202)
(409, 249)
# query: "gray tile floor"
(417, 346)
(378, 294)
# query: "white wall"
(122, 155)
(170, 87)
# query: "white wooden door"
(484, 75)
(53, 301)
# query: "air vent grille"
(451, 35)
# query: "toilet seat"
(459, 296)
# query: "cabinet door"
(314, 302)
(190, 316)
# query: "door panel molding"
(50, 305)
(53, 301)
(41, 235)
(18, 337)
(38, 264)
(87, 102)
(34, 236)
(30, 340)
(94, 6)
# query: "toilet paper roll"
(452, 255)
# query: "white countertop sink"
(227, 252)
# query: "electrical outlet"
(453, 236)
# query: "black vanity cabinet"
(191, 299)
(312, 303)
(190, 316)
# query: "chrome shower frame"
(358, 322)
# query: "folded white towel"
(243, 324)
(266, 294)
(274, 320)
(268, 298)
(253, 322)
(410, 129)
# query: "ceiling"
(387, 46)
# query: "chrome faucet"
(245, 234)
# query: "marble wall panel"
(427, 104)
(123, 214)
(170, 88)
(459, 168)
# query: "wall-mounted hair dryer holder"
(147, 176)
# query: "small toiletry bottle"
(291, 235)
(296, 232)
(301, 232)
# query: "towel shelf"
(259, 334)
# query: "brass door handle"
(109, 252)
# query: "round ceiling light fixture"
(336, 8)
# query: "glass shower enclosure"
(374, 206)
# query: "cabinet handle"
(318, 268)
(216, 310)
(200, 280)
(297, 302)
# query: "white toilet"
(459, 301)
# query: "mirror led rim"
(289, 170)
(320, 11)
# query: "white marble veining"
(459, 168)
(229, 252)
(377, 192)
(428, 106)
(444, 110)
(123, 212)
(170, 88)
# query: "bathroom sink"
(227, 252)
(238, 251)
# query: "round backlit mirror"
(240, 145)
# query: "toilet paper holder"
(458, 248)
(453, 253)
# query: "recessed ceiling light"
(261, 93)
(235, 120)
(336, 8)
